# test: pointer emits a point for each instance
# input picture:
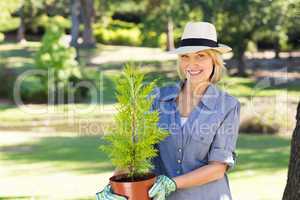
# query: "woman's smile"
(194, 72)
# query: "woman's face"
(197, 66)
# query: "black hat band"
(198, 42)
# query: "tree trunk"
(87, 8)
(241, 65)
(241, 62)
(170, 36)
(21, 29)
(239, 54)
(75, 11)
(292, 189)
(276, 48)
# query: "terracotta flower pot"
(133, 190)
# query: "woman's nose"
(192, 60)
(192, 64)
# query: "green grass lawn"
(261, 170)
(73, 168)
(72, 118)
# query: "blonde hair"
(217, 62)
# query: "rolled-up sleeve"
(224, 143)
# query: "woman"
(203, 122)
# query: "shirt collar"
(209, 99)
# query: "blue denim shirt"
(209, 134)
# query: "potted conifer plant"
(130, 143)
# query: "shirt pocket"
(199, 145)
(204, 131)
(203, 137)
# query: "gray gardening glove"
(162, 188)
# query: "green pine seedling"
(130, 143)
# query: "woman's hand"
(107, 193)
(162, 188)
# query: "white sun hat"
(198, 36)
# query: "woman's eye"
(184, 57)
(200, 55)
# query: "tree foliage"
(240, 22)
(56, 56)
(130, 142)
(7, 21)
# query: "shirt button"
(179, 161)
(179, 150)
(178, 172)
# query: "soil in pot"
(136, 189)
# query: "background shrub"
(7, 77)
(1, 37)
(56, 57)
(33, 90)
(118, 33)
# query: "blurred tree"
(162, 16)
(105, 9)
(21, 29)
(210, 8)
(7, 21)
(292, 189)
(87, 10)
(159, 20)
(31, 11)
(257, 17)
(282, 17)
(58, 59)
(293, 28)
(28, 11)
(75, 11)
(240, 22)
(82, 11)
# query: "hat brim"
(222, 48)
